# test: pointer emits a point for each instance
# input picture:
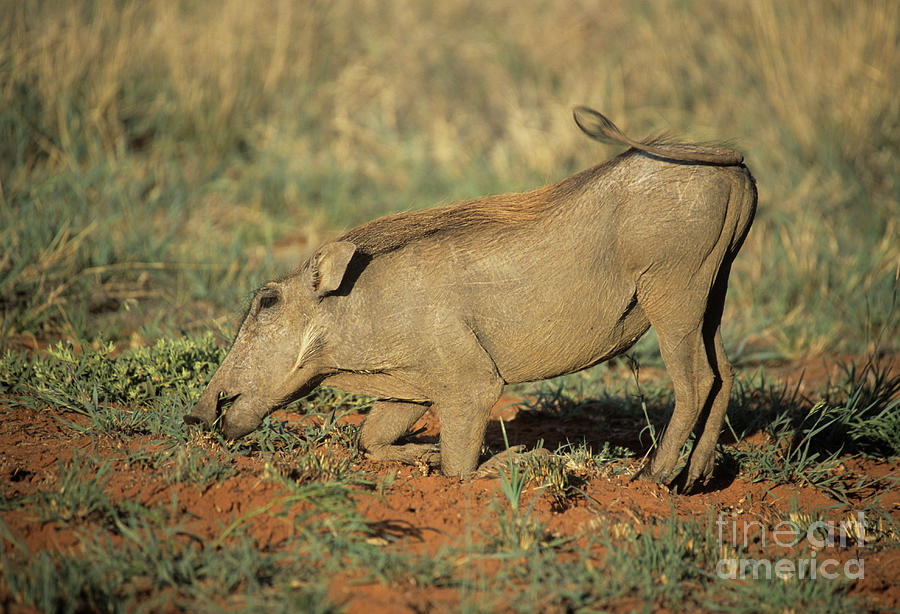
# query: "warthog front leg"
(385, 424)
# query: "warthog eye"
(267, 297)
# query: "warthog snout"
(214, 420)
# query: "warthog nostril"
(223, 402)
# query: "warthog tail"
(600, 128)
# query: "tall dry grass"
(196, 133)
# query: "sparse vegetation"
(159, 160)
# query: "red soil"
(421, 511)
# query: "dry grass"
(288, 114)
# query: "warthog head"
(280, 351)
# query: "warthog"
(443, 307)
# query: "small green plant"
(519, 531)
(157, 566)
(196, 461)
(80, 381)
(550, 473)
(319, 464)
(649, 427)
(790, 456)
(512, 484)
(805, 440)
(866, 406)
(79, 493)
(581, 458)
(658, 565)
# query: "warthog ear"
(329, 265)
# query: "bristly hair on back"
(392, 232)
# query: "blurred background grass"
(158, 159)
